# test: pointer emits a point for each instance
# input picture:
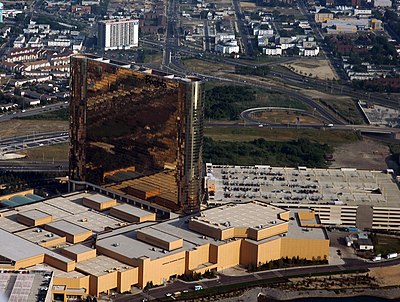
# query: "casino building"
(136, 133)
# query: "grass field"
(284, 117)
(386, 244)
(207, 67)
(152, 56)
(331, 137)
(347, 108)
(52, 152)
(57, 115)
(29, 127)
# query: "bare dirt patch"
(285, 117)
(207, 67)
(317, 68)
(366, 154)
(29, 127)
(247, 4)
(386, 276)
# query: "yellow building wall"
(270, 250)
(304, 248)
(228, 254)
(160, 270)
(80, 257)
(126, 279)
(204, 229)
(104, 283)
(240, 232)
(82, 282)
(248, 253)
(80, 237)
(260, 234)
(197, 256)
(29, 261)
(160, 242)
(306, 215)
(31, 222)
(285, 215)
(227, 234)
(61, 265)
(53, 242)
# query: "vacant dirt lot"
(247, 4)
(284, 117)
(366, 154)
(312, 68)
(29, 127)
(386, 276)
(207, 67)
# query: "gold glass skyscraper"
(125, 118)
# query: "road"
(243, 30)
(172, 34)
(350, 265)
(32, 111)
(34, 166)
(33, 140)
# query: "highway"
(33, 140)
(33, 111)
(47, 165)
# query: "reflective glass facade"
(144, 121)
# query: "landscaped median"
(237, 289)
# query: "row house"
(36, 65)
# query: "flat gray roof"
(101, 265)
(34, 214)
(296, 231)
(246, 215)
(67, 227)
(9, 222)
(99, 198)
(129, 246)
(131, 210)
(156, 233)
(18, 248)
(37, 235)
(78, 249)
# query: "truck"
(391, 255)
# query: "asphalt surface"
(350, 265)
(38, 166)
(32, 111)
(33, 140)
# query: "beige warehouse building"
(92, 253)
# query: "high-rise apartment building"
(118, 34)
(125, 119)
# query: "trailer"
(391, 255)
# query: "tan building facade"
(135, 254)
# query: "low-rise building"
(348, 197)
(227, 47)
(92, 253)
